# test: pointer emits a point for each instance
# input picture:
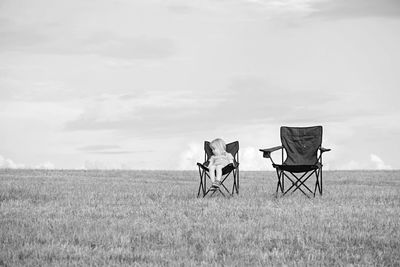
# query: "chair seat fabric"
(296, 168)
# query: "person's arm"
(211, 160)
(230, 157)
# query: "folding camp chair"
(233, 169)
(302, 146)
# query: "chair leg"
(316, 183)
(204, 183)
(301, 182)
(205, 176)
(299, 188)
(206, 191)
(298, 183)
(221, 192)
(278, 185)
(234, 183)
(201, 189)
(224, 187)
(320, 186)
(238, 181)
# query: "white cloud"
(193, 154)
(351, 165)
(45, 166)
(261, 73)
(6, 163)
(379, 163)
(251, 159)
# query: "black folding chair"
(302, 146)
(233, 169)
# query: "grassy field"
(154, 218)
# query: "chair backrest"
(232, 148)
(301, 144)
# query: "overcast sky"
(141, 84)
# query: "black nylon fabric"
(233, 148)
(297, 168)
(301, 144)
(208, 150)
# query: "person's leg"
(212, 172)
(218, 170)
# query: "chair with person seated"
(231, 169)
(302, 146)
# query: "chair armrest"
(267, 151)
(322, 149)
(204, 165)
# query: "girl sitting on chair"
(218, 161)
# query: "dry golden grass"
(154, 218)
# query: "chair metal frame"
(304, 172)
(226, 172)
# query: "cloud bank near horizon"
(125, 83)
